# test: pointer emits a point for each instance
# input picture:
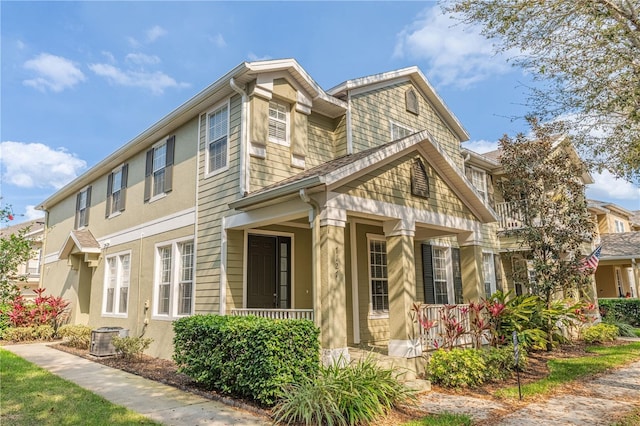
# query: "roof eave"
(277, 192)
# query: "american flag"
(590, 263)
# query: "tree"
(586, 54)
(15, 249)
(544, 178)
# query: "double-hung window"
(116, 190)
(217, 139)
(174, 279)
(83, 202)
(489, 273)
(278, 123)
(116, 288)
(440, 270)
(479, 182)
(619, 226)
(442, 274)
(159, 169)
(378, 275)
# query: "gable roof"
(419, 80)
(336, 173)
(604, 207)
(83, 239)
(625, 245)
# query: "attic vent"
(411, 99)
(419, 179)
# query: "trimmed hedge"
(621, 310)
(249, 357)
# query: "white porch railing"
(274, 313)
(511, 214)
(435, 337)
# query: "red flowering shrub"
(44, 310)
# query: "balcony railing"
(275, 313)
(435, 337)
(512, 214)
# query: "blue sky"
(81, 79)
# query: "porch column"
(332, 291)
(401, 273)
(472, 276)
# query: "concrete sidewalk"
(161, 403)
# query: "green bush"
(19, 334)
(500, 362)
(457, 367)
(248, 357)
(351, 395)
(600, 333)
(621, 310)
(131, 347)
(76, 336)
(5, 322)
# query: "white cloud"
(141, 58)
(218, 40)
(608, 188)
(31, 213)
(109, 56)
(53, 72)
(457, 54)
(35, 165)
(156, 81)
(481, 146)
(155, 32)
(253, 57)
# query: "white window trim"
(451, 297)
(484, 191)
(116, 300)
(153, 180)
(209, 173)
(113, 172)
(287, 124)
(618, 225)
(492, 265)
(393, 123)
(372, 313)
(86, 208)
(175, 279)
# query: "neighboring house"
(27, 276)
(618, 273)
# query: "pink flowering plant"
(43, 310)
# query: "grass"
(33, 396)
(565, 370)
(631, 419)
(445, 419)
(636, 331)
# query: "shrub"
(600, 333)
(457, 367)
(4, 316)
(131, 347)
(500, 362)
(621, 310)
(248, 357)
(43, 310)
(19, 334)
(44, 332)
(76, 336)
(355, 394)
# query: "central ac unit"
(101, 344)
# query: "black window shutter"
(427, 273)
(123, 186)
(457, 274)
(77, 224)
(147, 175)
(498, 269)
(109, 197)
(86, 215)
(168, 172)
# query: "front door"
(269, 272)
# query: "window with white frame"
(217, 142)
(159, 164)
(33, 264)
(278, 123)
(398, 131)
(479, 181)
(83, 202)
(174, 279)
(116, 187)
(158, 176)
(489, 272)
(619, 226)
(116, 293)
(378, 275)
(440, 275)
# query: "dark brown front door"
(268, 273)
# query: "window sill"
(156, 198)
(216, 172)
(116, 214)
(280, 142)
(109, 315)
(378, 315)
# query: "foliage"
(457, 367)
(15, 249)
(622, 310)
(444, 419)
(600, 333)
(350, 395)
(76, 336)
(585, 54)
(131, 347)
(29, 333)
(4, 316)
(565, 370)
(500, 362)
(222, 352)
(49, 310)
(33, 396)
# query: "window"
(488, 269)
(619, 226)
(116, 188)
(33, 264)
(398, 131)
(116, 296)
(174, 279)
(83, 202)
(217, 146)
(278, 123)
(479, 181)
(378, 275)
(440, 275)
(159, 170)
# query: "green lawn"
(565, 370)
(33, 396)
(445, 419)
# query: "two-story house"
(266, 194)
(618, 273)
(27, 276)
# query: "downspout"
(349, 130)
(244, 140)
(313, 214)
